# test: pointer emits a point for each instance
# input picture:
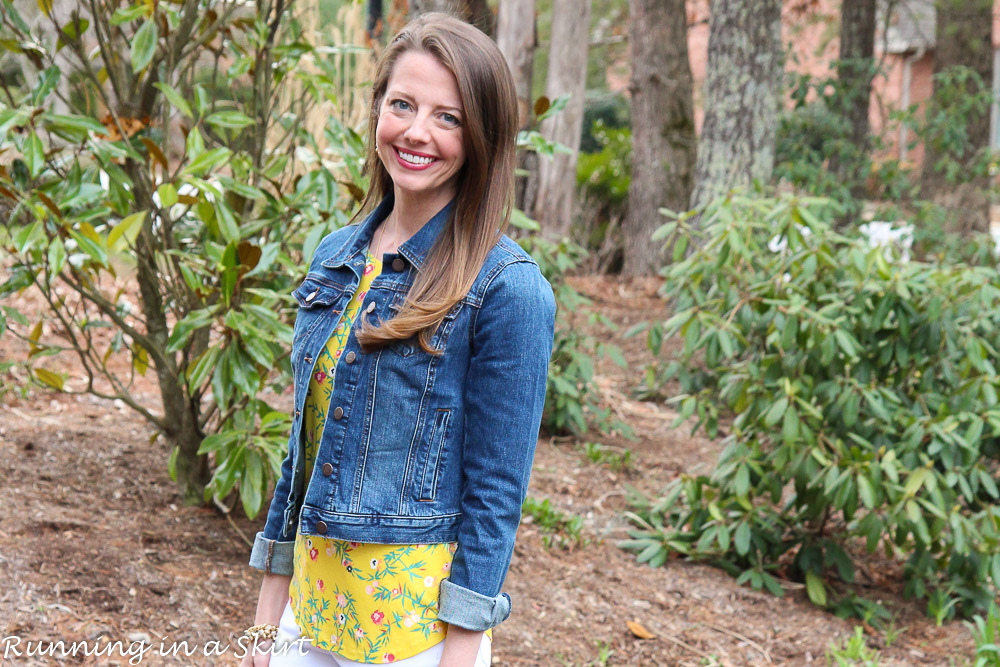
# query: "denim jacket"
(419, 448)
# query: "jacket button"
(308, 360)
(298, 413)
(321, 527)
(327, 469)
(398, 264)
(370, 308)
(338, 412)
(350, 357)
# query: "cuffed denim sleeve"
(273, 547)
(272, 556)
(504, 395)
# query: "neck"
(411, 212)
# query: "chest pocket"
(314, 293)
(410, 346)
(315, 299)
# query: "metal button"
(398, 264)
(309, 360)
(312, 295)
(338, 412)
(321, 527)
(370, 308)
(350, 357)
(327, 469)
(298, 413)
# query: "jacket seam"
(435, 517)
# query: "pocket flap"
(312, 293)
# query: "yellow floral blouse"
(372, 603)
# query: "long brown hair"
(481, 209)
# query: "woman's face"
(419, 135)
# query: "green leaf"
(915, 481)
(176, 100)
(741, 539)
(776, 411)
(228, 226)
(851, 408)
(168, 195)
(34, 155)
(866, 491)
(72, 128)
(123, 227)
(205, 161)
(71, 31)
(790, 426)
(203, 366)
(126, 14)
(521, 221)
(56, 257)
(46, 83)
(233, 120)
(251, 484)
(172, 462)
(815, 588)
(45, 376)
(91, 247)
(144, 44)
(184, 329)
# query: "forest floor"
(95, 546)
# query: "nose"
(418, 131)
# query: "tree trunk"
(663, 139)
(742, 92)
(479, 14)
(517, 39)
(855, 70)
(453, 7)
(556, 195)
(963, 32)
(476, 12)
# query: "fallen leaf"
(638, 630)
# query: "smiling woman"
(392, 527)
(420, 136)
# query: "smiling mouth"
(414, 158)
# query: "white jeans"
(292, 650)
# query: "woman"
(420, 358)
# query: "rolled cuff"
(272, 556)
(469, 609)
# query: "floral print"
(372, 603)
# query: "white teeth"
(416, 159)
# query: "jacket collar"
(414, 249)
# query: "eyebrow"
(398, 93)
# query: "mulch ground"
(95, 546)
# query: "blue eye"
(402, 105)
(450, 119)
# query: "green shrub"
(986, 633)
(558, 528)
(571, 402)
(863, 395)
(852, 652)
(616, 458)
(212, 230)
(605, 174)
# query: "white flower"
(882, 234)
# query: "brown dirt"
(94, 545)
